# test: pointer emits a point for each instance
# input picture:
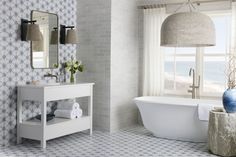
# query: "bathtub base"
(182, 139)
(174, 118)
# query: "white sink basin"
(42, 83)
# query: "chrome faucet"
(51, 75)
(194, 87)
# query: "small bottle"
(61, 77)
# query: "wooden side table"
(222, 133)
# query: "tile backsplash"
(15, 65)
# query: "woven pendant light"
(188, 29)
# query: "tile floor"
(132, 142)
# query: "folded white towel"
(68, 105)
(70, 114)
(203, 111)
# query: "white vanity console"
(43, 130)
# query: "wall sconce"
(30, 31)
(69, 36)
(54, 36)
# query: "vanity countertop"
(44, 85)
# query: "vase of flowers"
(229, 96)
(73, 67)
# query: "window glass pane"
(186, 51)
(183, 65)
(222, 24)
(182, 51)
(214, 76)
(169, 72)
(169, 51)
(177, 73)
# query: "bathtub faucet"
(194, 87)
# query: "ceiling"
(149, 2)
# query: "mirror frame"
(58, 53)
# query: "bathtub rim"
(194, 103)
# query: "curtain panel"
(153, 57)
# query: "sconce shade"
(188, 29)
(33, 33)
(38, 46)
(71, 37)
(54, 37)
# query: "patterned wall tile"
(15, 57)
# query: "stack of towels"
(68, 109)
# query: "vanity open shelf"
(57, 127)
(54, 121)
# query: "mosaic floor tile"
(131, 142)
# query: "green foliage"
(74, 66)
(81, 68)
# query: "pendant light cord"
(190, 5)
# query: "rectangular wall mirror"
(44, 53)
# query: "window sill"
(184, 95)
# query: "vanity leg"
(43, 144)
(43, 122)
(18, 140)
(90, 111)
(19, 115)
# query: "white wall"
(94, 31)
(108, 48)
(124, 63)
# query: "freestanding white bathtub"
(174, 118)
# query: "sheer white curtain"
(231, 64)
(233, 29)
(153, 57)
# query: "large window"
(209, 63)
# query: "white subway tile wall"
(94, 29)
(108, 48)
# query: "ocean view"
(214, 75)
(213, 71)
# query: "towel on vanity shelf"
(68, 105)
(79, 113)
(70, 114)
(203, 111)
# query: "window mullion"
(175, 70)
(199, 68)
